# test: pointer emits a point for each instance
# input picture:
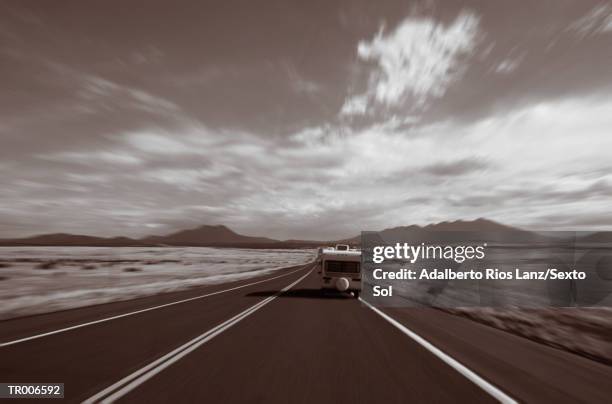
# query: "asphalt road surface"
(278, 339)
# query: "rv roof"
(333, 251)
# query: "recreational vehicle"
(340, 269)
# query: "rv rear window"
(342, 266)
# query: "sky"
(303, 120)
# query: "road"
(278, 339)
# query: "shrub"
(132, 269)
(47, 265)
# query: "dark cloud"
(455, 168)
(548, 60)
(583, 220)
(546, 195)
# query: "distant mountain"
(480, 224)
(443, 231)
(207, 235)
(599, 237)
(201, 236)
(222, 236)
(63, 239)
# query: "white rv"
(340, 269)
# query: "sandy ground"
(44, 279)
(584, 331)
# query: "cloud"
(419, 60)
(326, 181)
(507, 66)
(356, 105)
(94, 158)
(456, 168)
(98, 88)
(299, 83)
(597, 21)
(156, 141)
(119, 134)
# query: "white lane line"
(161, 306)
(128, 383)
(452, 362)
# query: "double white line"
(130, 382)
(161, 306)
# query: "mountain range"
(222, 236)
